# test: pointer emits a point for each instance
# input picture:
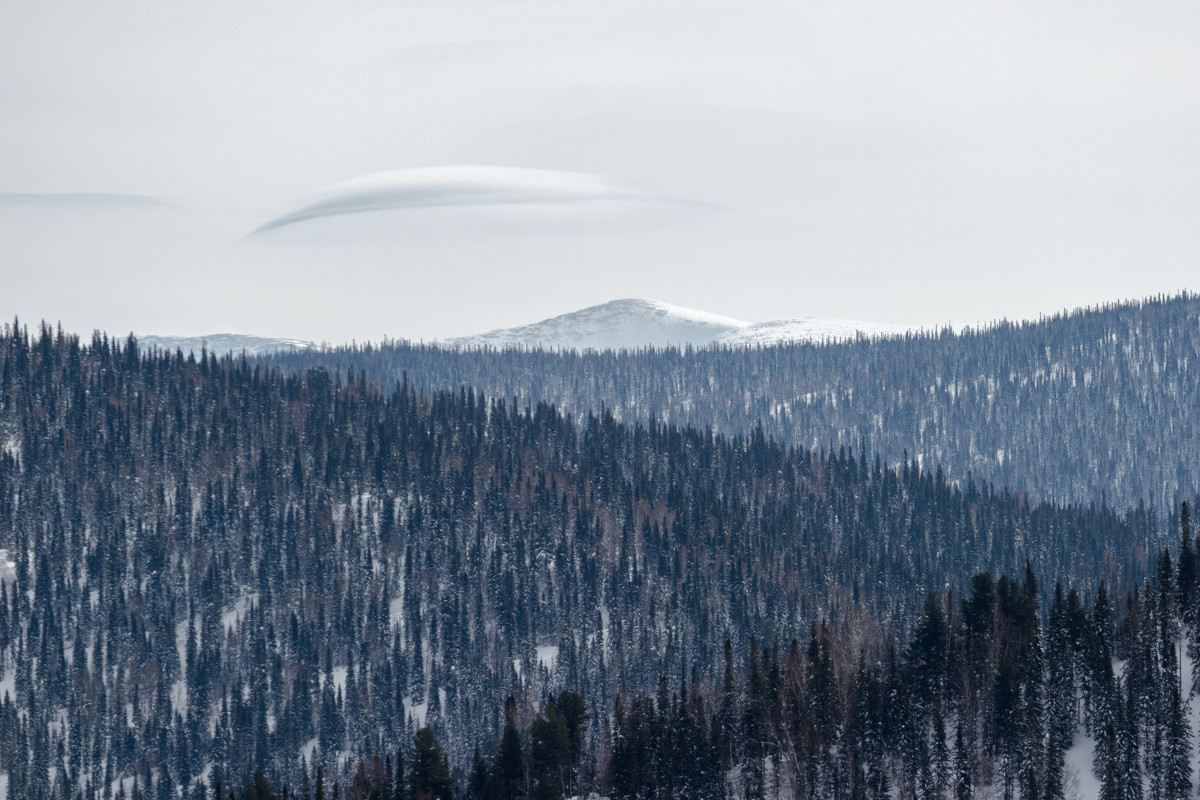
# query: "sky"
(350, 170)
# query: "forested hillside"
(1089, 403)
(220, 567)
(994, 695)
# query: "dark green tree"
(508, 767)
(429, 776)
(479, 780)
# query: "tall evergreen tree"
(429, 776)
(508, 768)
(963, 784)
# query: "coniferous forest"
(316, 581)
(1098, 401)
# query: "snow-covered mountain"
(640, 323)
(618, 324)
(223, 343)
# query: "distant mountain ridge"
(1087, 404)
(632, 323)
(626, 324)
(221, 343)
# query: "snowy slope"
(806, 329)
(222, 343)
(619, 324)
(1079, 757)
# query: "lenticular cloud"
(435, 187)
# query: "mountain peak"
(628, 323)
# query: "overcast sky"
(900, 162)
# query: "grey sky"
(916, 162)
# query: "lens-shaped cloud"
(465, 186)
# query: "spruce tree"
(508, 768)
(478, 781)
(1053, 787)
(941, 754)
(1112, 785)
(429, 776)
(1178, 755)
(1130, 744)
(962, 767)
(400, 782)
(549, 755)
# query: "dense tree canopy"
(1095, 402)
(224, 569)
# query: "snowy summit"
(631, 324)
(620, 324)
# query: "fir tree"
(962, 767)
(508, 770)
(429, 776)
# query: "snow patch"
(179, 697)
(547, 655)
(416, 711)
(396, 611)
(1078, 759)
(339, 678)
(604, 628)
(231, 618)
(1193, 709)
(8, 569)
(1078, 762)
